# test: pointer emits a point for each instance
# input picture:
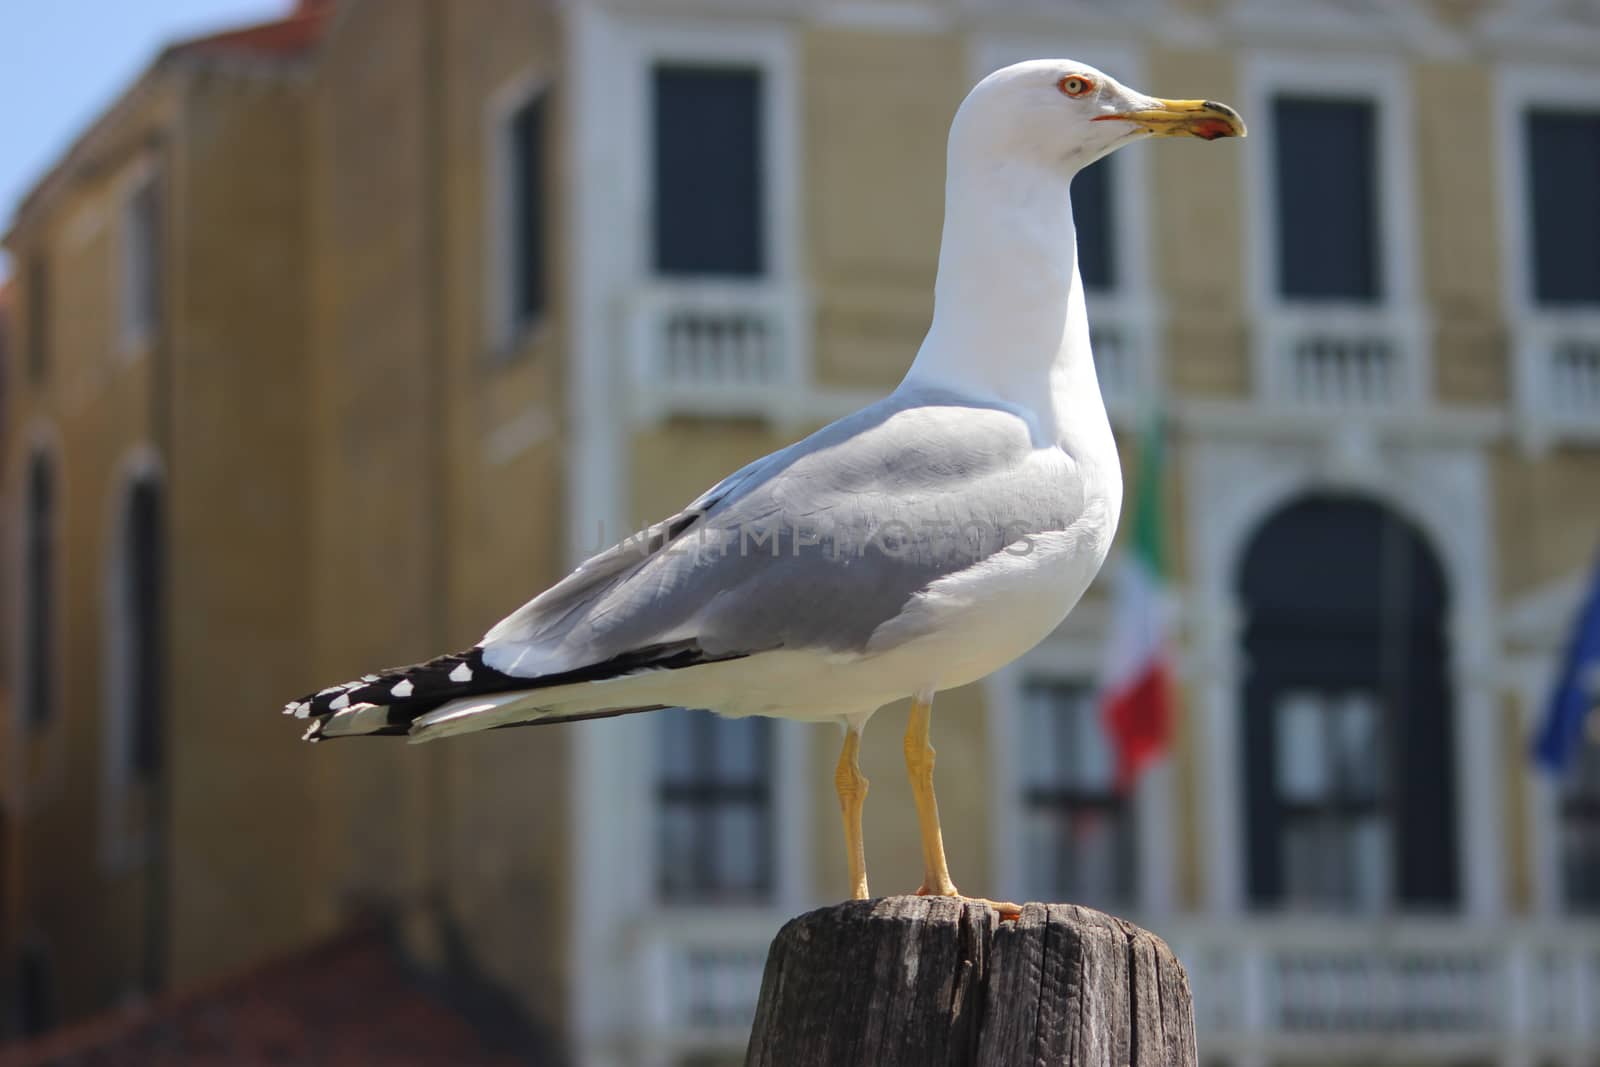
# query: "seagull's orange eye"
(1074, 85)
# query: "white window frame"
(624, 939)
(1235, 486)
(1398, 313)
(775, 777)
(505, 332)
(1074, 660)
(768, 48)
(120, 849)
(1132, 308)
(779, 296)
(1521, 89)
(135, 334)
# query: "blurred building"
(338, 337)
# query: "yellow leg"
(919, 766)
(852, 787)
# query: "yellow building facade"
(328, 356)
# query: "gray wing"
(814, 546)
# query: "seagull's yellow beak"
(1184, 118)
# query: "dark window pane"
(714, 807)
(1580, 832)
(527, 198)
(1091, 213)
(145, 556)
(709, 200)
(38, 319)
(38, 578)
(1564, 174)
(1326, 185)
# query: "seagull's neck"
(1009, 322)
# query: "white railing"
(1558, 374)
(716, 348)
(1122, 334)
(701, 976)
(1342, 359)
(1430, 989)
(1433, 988)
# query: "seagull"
(917, 545)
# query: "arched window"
(38, 595)
(1348, 731)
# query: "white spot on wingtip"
(402, 688)
(303, 710)
(462, 673)
(330, 689)
(369, 678)
(339, 702)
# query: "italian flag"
(1137, 705)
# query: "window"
(1325, 179)
(519, 221)
(39, 609)
(1092, 215)
(1563, 172)
(1339, 328)
(1551, 122)
(519, 230)
(527, 210)
(141, 263)
(134, 674)
(1330, 768)
(1348, 720)
(1078, 830)
(1580, 832)
(38, 312)
(714, 821)
(710, 202)
(719, 325)
(139, 599)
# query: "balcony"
(716, 349)
(1342, 360)
(1558, 375)
(701, 976)
(1431, 990)
(1427, 989)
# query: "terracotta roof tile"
(280, 37)
(349, 1001)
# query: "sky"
(65, 61)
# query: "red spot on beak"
(1211, 129)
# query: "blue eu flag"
(1577, 691)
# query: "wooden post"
(926, 981)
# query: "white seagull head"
(1064, 115)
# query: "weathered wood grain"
(925, 981)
